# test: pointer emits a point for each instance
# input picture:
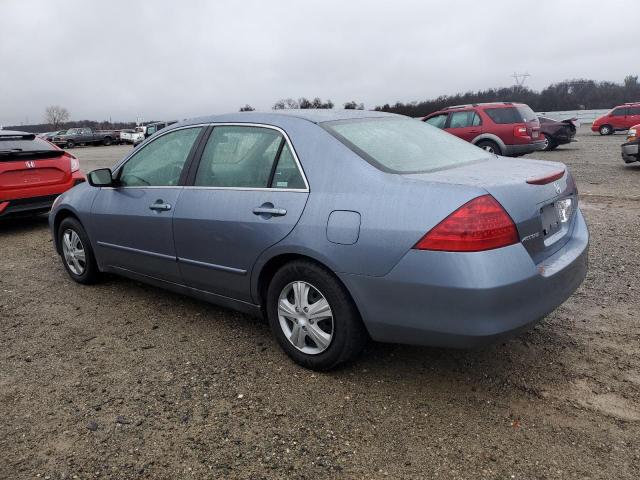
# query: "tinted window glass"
(10, 143)
(526, 113)
(402, 145)
(160, 163)
(619, 112)
(238, 157)
(504, 115)
(476, 120)
(461, 119)
(438, 121)
(634, 111)
(287, 174)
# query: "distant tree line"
(48, 127)
(567, 95)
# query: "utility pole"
(520, 78)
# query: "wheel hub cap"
(305, 317)
(73, 251)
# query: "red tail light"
(520, 131)
(481, 224)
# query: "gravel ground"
(122, 380)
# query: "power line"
(520, 78)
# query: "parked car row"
(504, 128)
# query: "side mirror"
(100, 178)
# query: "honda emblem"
(30, 164)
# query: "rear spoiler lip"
(24, 136)
(544, 180)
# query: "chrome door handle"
(163, 207)
(276, 212)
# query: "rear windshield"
(515, 114)
(403, 145)
(36, 144)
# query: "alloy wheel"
(73, 251)
(305, 317)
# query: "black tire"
(606, 130)
(490, 146)
(70, 144)
(90, 273)
(348, 334)
(107, 141)
(550, 144)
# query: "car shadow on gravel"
(23, 225)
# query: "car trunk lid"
(534, 193)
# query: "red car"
(504, 128)
(33, 172)
(621, 118)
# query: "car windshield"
(403, 145)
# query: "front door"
(619, 118)
(133, 220)
(247, 194)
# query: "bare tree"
(352, 105)
(247, 108)
(285, 103)
(56, 115)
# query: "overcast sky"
(158, 59)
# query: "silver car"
(337, 226)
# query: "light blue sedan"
(338, 226)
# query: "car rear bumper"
(514, 150)
(468, 299)
(630, 152)
(34, 200)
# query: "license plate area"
(550, 221)
(535, 134)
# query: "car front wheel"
(313, 317)
(77, 255)
(606, 130)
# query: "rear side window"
(160, 163)
(402, 145)
(438, 121)
(287, 174)
(504, 115)
(464, 119)
(634, 111)
(237, 156)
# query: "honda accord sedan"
(337, 226)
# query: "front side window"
(438, 121)
(619, 112)
(159, 163)
(402, 145)
(237, 156)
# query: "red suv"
(622, 117)
(33, 172)
(504, 128)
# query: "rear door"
(247, 194)
(132, 222)
(465, 124)
(633, 116)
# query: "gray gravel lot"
(122, 380)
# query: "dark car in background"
(630, 148)
(33, 172)
(503, 128)
(556, 132)
(86, 136)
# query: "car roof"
(275, 116)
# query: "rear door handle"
(276, 212)
(159, 206)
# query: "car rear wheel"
(549, 144)
(77, 255)
(489, 146)
(313, 317)
(70, 144)
(606, 130)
